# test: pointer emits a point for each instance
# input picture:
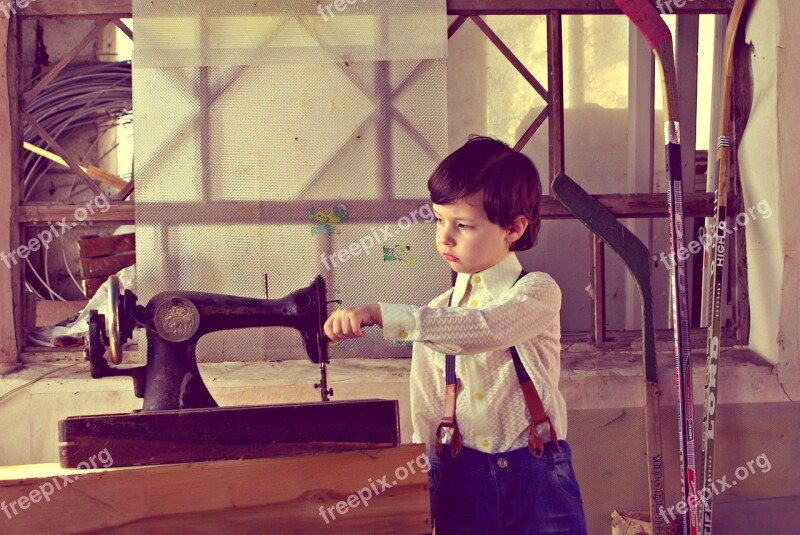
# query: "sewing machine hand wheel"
(112, 315)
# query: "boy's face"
(465, 237)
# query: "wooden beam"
(228, 433)
(532, 129)
(11, 323)
(597, 273)
(742, 104)
(281, 495)
(79, 8)
(56, 146)
(43, 82)
(509, 55)
(42, 213)
(123, 8)
(575, 7)
(630, 205)
(641, 133)
(555, 104)
(98, 247)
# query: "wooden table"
(343, 492)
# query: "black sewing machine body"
(175, 322)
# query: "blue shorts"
(511, 492)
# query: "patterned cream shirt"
(493, 314)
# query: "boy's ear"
(516, 229)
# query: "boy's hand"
(348, 321)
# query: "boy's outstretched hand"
(347, 322)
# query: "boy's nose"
(445, 238)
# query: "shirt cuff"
(399, 322)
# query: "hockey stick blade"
(637, 259)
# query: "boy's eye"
(464, 225)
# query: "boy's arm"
(530, 309)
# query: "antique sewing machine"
(175, 322)
(180, 421)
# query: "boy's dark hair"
(509, 180)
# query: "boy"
(492, 470)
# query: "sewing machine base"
(192, 435)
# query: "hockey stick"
(718, 256)
(636, 257)
(646, 18)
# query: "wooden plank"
(10, 311)
(54, 71)
(597, 273)
(90, 286)
(123, 9)
(189, 435)
(742, 104)
(91, 171)
(453, 28)
(617, 341)
(56, 146)
(125, 192)
(641, 133)
(555, 77)
(633, 205)
(509, 55)
(51, 312)
(8, 340)
(572, 7)
(106, 245)
(43, 213)
(532, 129)
(282, 495)
(107, 265)
(79, 8)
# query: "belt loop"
(551, 461)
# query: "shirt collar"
(496, 279)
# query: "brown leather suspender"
(532, 401)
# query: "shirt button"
(476, 279)
(502, 463)
(479, 395)
(485, 442)
(403, 334)
(474, 303)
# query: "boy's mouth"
(449, 257)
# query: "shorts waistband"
(509, 461)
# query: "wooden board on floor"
(281, 495)
(191, 435)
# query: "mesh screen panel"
(265, 32)
(261, 155)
